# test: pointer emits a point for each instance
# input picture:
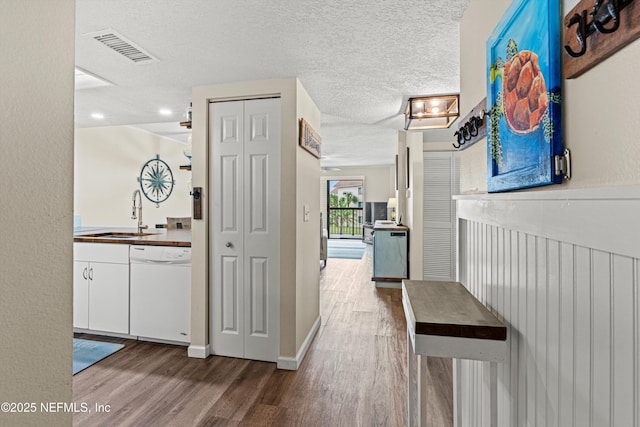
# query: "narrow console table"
(445, 320)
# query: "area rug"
(86, 352)
(343, 248)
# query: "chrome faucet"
(139, 207)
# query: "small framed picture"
(309, 138)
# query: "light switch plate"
(305, 213)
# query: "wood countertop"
(128, 236)
(449, 309)
(389, 225)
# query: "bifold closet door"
(245, 228)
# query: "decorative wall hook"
(589, 32)
(603, 13)
(470, 129)
(473, 128)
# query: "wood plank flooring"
(353, 375)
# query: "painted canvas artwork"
(523, 97)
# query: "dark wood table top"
(449, 309)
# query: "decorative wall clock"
(156, 180)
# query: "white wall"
(308, 235)
(476, 26)
(600, 108)
(414, 205)
(108, 161)
(567, 300)
(36, 136)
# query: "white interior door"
(440, 184)
(227, 181)
(245, 228)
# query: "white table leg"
(412, 377)
(423, 390)
(493, 395)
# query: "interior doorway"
(344, 208)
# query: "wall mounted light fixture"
(431, 112)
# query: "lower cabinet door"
(109, 297)
(81, 294)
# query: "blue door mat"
(87, 352)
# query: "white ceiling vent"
(124, 47)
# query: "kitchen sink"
(117, 235)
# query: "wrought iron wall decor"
(474, 127)
(595, 30)
(156, 180)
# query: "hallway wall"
(600, 109)
(559, 264)
(36, 133)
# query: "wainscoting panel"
(572, 310)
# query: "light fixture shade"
(431, 112)
(391, 204)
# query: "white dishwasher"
(160, 298)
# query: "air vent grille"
(124, 47)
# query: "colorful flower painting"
(523, 97)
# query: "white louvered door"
(440, 183)
(244, 244)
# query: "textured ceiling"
(359, 61)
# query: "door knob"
(229, 245)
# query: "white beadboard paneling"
(622, 334)
(583, 348)
(601, 338)
(553, 333)
(570, 301)
(567, 334)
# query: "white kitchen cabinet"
(101, 287)
(81, 294)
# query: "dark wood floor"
(353, 375)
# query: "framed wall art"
(523, 96)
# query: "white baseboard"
(103, 333)
(159, 341)
(292, 364)
(198, 351)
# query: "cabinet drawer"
(101, 252)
